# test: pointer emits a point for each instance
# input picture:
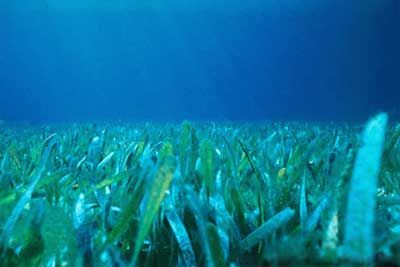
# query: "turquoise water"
(198, 60)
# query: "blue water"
(215, 60)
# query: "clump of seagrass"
(199, 194)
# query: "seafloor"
(199, 194)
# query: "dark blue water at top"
(206, 60)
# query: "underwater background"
(199, 133)
(68, 61)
